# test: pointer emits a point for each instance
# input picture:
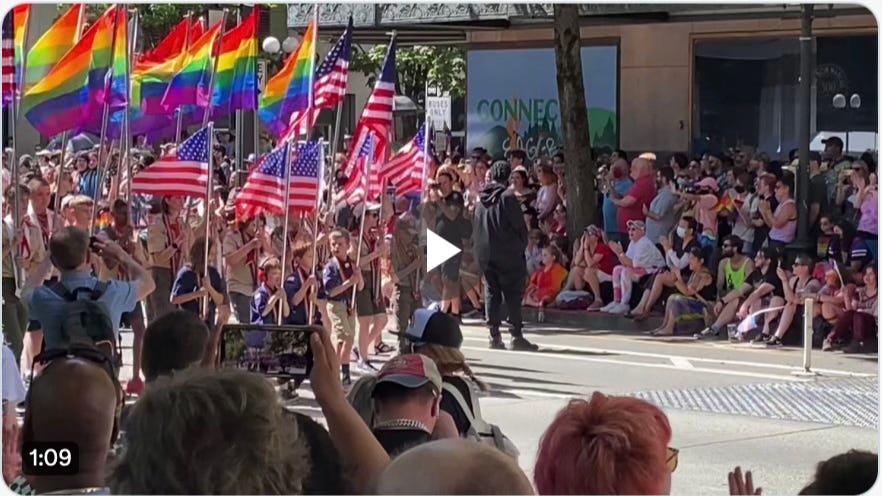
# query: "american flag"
(305, 176)
(264, 191)
(185, 173)
(405, 169)
(376, 119)
(8, 66)
(364, 176)
(329, 87)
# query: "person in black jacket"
(500, 237)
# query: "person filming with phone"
(59, 307)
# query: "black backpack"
(85, 321)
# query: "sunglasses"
(673, 458)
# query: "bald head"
(640, 167)
(73, 400)
(453, 466)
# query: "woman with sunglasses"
(799, 287)
(782, 222)
(606, 445)
(684, 310)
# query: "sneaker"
(705, 333)
(595, 305)
(774, 342)
(620, 309)
(521, 344)
(761, 339)
(854, 347)
(366, 367)
(477, 313)
(135, 387)
(497, 344)
(608, 307)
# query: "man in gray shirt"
(661, 216)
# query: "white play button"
(438, 250)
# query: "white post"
(807, 331)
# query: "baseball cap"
(411, 371)
(833, 140)
(433, 327)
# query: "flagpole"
(366, 183)
(133, 40)
(287, 166)
(315, 229)
(239, 117)
(208, 184)
(60, 170)
(105, 116)
(16, 212)
(427, 135)
(179, 126)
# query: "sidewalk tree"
(444, 66)
(580, 183)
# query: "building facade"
(658, 77)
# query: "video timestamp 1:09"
(50, 458)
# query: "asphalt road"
(728, 404)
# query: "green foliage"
(444, 66)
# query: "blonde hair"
(450, 361)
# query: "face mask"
(740, 189)
(681, 232)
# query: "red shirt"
(609, 260)
(643, 190)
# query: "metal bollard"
(807, 332)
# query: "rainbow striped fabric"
(116, 93)
(20, 16)
(57, 102)
(235, 85)
(174, 42)
(290, 90)
(52, 46)
(190, 85)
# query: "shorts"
(126, 319)
(342, 321)
(603, 276)
(367, 302)
(34, 325)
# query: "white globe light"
(855, 101)
(839, 101)
(290, 44)
(271, 44)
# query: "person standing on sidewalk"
(500, 237)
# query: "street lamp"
(839, 103)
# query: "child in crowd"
(546, 282)
(536, 241)
(191, 286)
(340, 276)
(265, 302)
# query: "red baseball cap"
(411, 371)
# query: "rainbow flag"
(20, 16)
(173, 44)
(52, 46)
(290, 90)
(116, 91)
(61, 101)
(190, 85)
(235, 84)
